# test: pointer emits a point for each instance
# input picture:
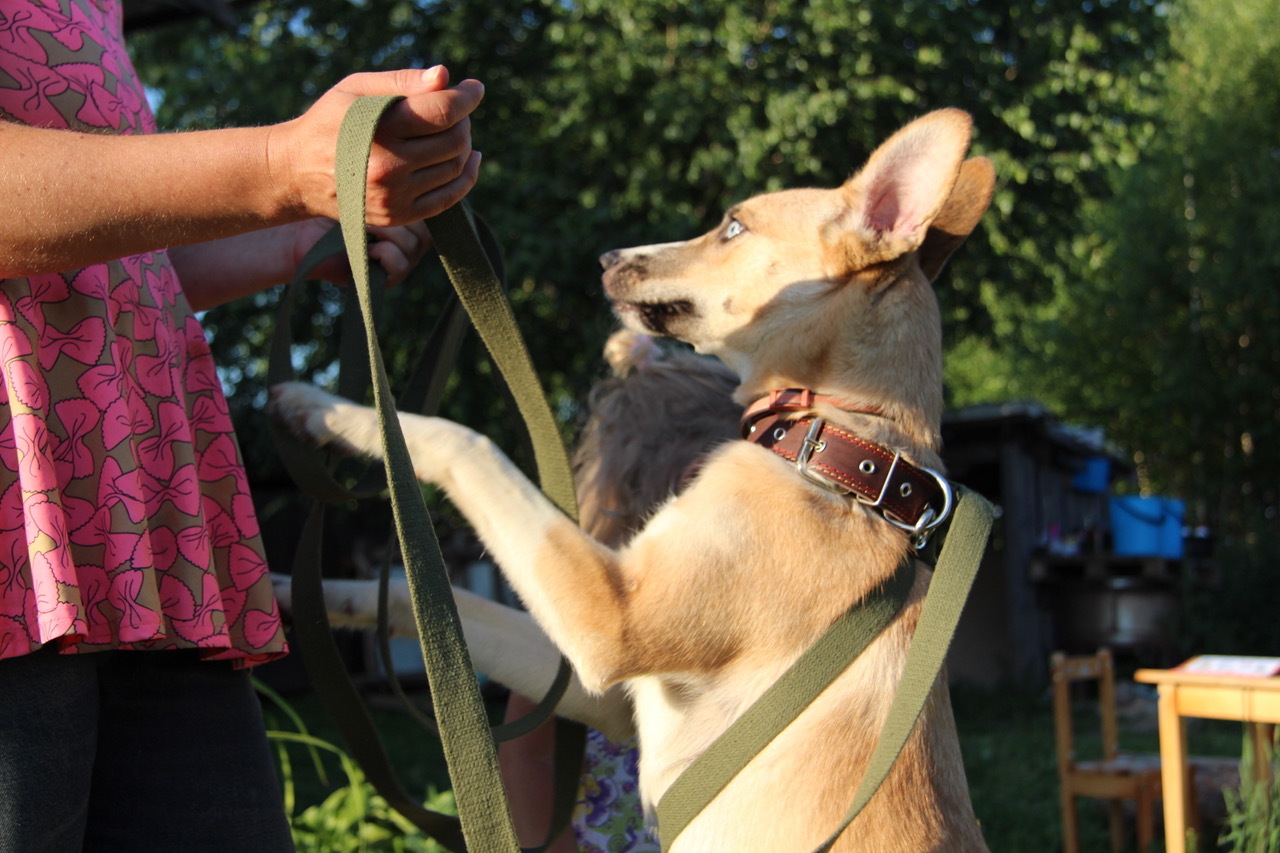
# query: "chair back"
(1067, 670)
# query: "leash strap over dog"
(957, 566)
(785, 699)
(953, 576)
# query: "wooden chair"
(1116, 776)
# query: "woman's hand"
(421, 162)
(397, 249)
(219, 271)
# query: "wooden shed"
(1050, 580)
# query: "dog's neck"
(801, 400)
(879, 352)
(908, 426)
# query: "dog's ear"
(904, 186)
(959, 216)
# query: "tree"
(1172, 329)
(619, 123)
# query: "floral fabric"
(125, 515)
(609, 817)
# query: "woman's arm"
(73, 199)
(219, 271)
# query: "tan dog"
(649, 425)
(731, 581)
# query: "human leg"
(183, 761)
(48, 731)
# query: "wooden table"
(1252, 700)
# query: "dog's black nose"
(609, 259)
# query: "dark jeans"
(146, 752)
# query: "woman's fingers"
(437, 167)
(430, 112)
(421, 161)
(399, 250)
(441, 197)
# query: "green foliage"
(608, 124)
(352, 818)
(1169, 330)
(1006, 739)
(1235, 614)
(355, 817)
(1253, 812)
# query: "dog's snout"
(610, 259)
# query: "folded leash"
(484, 822)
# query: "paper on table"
(1261, 667)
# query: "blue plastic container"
(1095, 477)
(1171, 538)
(1147, 526)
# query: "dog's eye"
(733, 229)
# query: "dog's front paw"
(308, 412)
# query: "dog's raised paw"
(304, 410)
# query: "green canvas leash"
(326, 670)
(468, 745)
(314, 637)
(957, 566)
(484, 822)
(477, 287)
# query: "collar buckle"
(928, 522)
(810, 445)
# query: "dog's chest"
(678, 718)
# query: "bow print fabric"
(125, 515)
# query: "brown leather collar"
(909, 496)
(796, 399)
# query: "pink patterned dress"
(125, 516)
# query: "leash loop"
(484, 824)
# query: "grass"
(415, 754)
(1006, 737)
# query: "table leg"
(1173, 770)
